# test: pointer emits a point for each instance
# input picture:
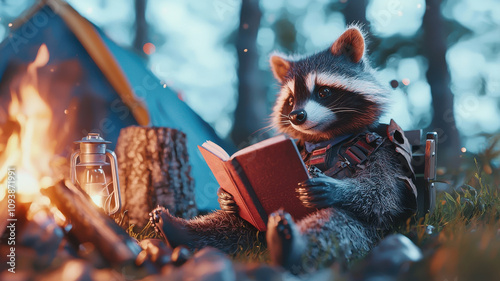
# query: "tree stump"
(154, 170)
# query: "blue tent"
(111, 88)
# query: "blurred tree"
(438, 78)
(141, 27)
(355, 12)
(251, 109)
(286, 33)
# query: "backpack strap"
(353, 154)
(403, 148)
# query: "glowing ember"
(29, 150)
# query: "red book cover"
(262, 178)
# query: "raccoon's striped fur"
(329, 94)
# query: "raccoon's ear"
(351, 44)
(280, 67)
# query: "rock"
(75, 269)
(156, 251)
(45, 237)
(388, 260)
(17, 276)
(208, 264)
(180, 255)
(259, 271)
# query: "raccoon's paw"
(320, 192)
(226, 201)
(170, 228)
(155, 219)
(284, 241)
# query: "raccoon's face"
(328, 94)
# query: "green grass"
(257, 253)
(465, 241)
(146, 233)
(467, 208)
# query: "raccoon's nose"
(297, 117)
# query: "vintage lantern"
(89, 172)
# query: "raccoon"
(360, 184)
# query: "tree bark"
(251, 110)
(438, 77)
(154, 170)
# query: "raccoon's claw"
(284, 241)
(226, 201)
(314, 172)
(281, 220)
(155, 219)
(171, 229)
(320, 192)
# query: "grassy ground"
(460, 240)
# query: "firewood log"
(154, 170)
(91, 225)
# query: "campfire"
(28, 150)
(42, 210)
(67, 81)
(35, 198)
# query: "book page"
(259, 145)
(215, 149)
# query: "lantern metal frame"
(93, 152)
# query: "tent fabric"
(98, 100)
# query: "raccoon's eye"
(324, 92)
(290, 101)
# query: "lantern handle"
(116, 183)
(74, 157)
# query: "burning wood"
(69, 226)
(91, 225)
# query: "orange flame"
(29, 150)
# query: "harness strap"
(352, 154)
(355, 153)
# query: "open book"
(262, 178)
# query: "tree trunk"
(154, 170)
(438, 77)
(141, 26)
(251, 110)
(355, 13)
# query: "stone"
(390, 259)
